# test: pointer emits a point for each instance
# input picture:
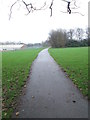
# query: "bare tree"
(52, 38)
(71, 34)
(79, 33)
(57, 38)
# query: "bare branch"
(78, 13)
(68, 6)
(30, 8)
(27, 5)
(11, 9)
(65, 1)
(76, 7)
(73, 12)
(75, 3)
(51, 7)
(42, 7)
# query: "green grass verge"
(15, 70)
(74, 61)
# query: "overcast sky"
(34, 28)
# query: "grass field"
(15, 70)
(74, 62)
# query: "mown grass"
(15, 70)
(74, 61)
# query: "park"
(44, 59)
(43, 79)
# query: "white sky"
(35, 27)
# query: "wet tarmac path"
(49, 93)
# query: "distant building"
(12, 47)
(35, 45)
